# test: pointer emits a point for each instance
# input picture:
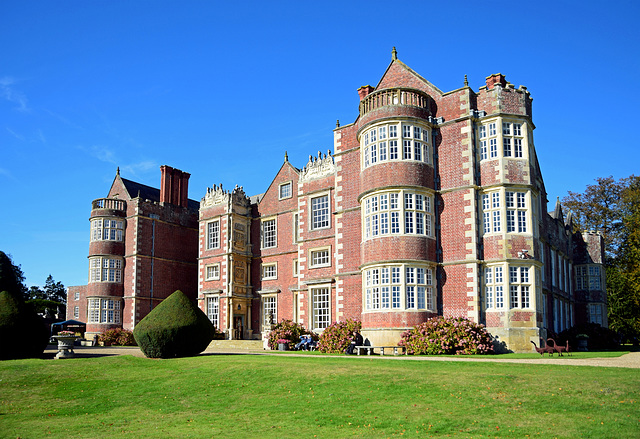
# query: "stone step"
(235, 344)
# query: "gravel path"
(630, 360)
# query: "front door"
(238, 327)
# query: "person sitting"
(301, 344)
(356, 340)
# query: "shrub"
(336, 337)
(23, 333)
(447, 335)
(117, 337)
(599, 338)
(287, 330)
(175, 328)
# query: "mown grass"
(298, 397)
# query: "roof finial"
(394, 54)
(118, 171)
(337, 123)
(286, 157)
(466, 83)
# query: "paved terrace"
(630, 360)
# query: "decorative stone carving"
(217, 195)
(318, 167)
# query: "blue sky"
(222, 89)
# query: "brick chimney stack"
(364, 91)
(496, 78)
(174, 186)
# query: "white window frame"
(269, 304)
(107, 229)
(316, 258)
(494, 287)
(269, 233)
(596, 313)
(320, 300)
(520, 286)
(320, 215)
(213, 234)
(76, 296)
(399, 287)
(414, 143)
(105, 269)
(492, 212)
(516, 204)
(212, 271)
(397, 212)
(104, 310)
(76, 312)
(283, 186)
(213, 309)
(269, 271)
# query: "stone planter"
(283, 346)
(583, 345)
(65, 346)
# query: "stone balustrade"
(394, 96)
(108, 203)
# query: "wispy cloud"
(16, 135)
(136, 169)
(108, 155)
(9, 93)
(40, 136)
(102, 153)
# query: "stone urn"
(583, 344)
(65, 346)
(283, 346)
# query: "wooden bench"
(369, 349)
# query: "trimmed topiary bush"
(117, 337)
(336, 337)
(23, 333)
(447, 335)
(175, 328)
(288, 330)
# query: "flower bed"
(336, 337)
(447, 335)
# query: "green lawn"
(298, 397)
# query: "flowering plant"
(287, 332)
(66, 333)
(447, 335)
(336, 337)
(117, 337)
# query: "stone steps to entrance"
(235, 344)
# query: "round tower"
(397, 201)
(105, 288)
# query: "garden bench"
(369, 349)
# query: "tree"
(35, 292)
(624, 270)
(55, 290)
(598, 208)
(613, 208)
(11, 277)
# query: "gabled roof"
(256, 199)
(145, 192)
(135, 190)
(398, 66)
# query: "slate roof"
(150, 193)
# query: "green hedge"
(23, 333)
(175, 328)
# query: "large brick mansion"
(432, 203)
